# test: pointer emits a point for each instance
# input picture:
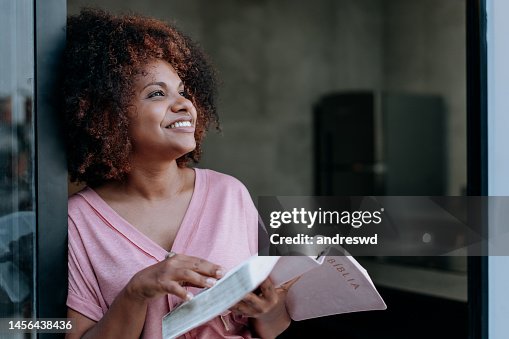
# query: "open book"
(327, 285)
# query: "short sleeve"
(82, 296)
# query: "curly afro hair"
(104, 54)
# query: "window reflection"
(17, 210)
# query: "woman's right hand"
(171, 275)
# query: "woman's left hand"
(267, 308)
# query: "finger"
(287, 285)
(192, 278)
(172, 287)
(245, 310)
(267, 289)
(254, 302)
(233, 308)
(201, 266)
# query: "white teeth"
(181, 124)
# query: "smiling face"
(163, 119)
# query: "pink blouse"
(105, 251)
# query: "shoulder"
(75, 200)
(223, 186)
(78, 201)
(82, 209)
(217, 180)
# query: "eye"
(157, 93)
(184, 93)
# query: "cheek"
(150, 118)
(197, 118)
(142, 130)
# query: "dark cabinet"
(380, 144)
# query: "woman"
(148, 232)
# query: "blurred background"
(331, 97)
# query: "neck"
(151, 181)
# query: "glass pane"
(17, 208)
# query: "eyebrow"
(160, 83)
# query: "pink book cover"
(331, 285)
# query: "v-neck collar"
(140, 240)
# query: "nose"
(182, 104)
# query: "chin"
(185, 150)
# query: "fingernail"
(219, 273)
(189, 296)
(210, 281)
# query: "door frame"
(50, 164)
(477, 159)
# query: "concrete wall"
(425, 52)
(277, 58)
